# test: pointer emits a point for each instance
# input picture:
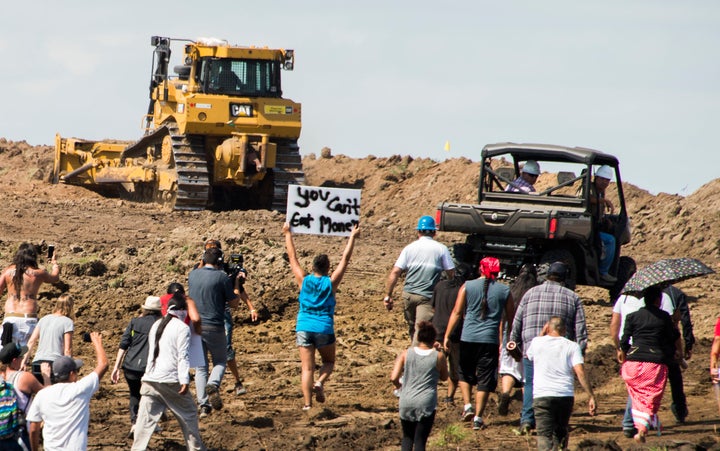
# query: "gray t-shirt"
(476, 329)
(424, 260)
(52, 337)
(212, 290)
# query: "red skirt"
(646, 385)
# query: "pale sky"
(636, 79)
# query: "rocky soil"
(114, 253)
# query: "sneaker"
(448, 401)
(131, 434)
(214, 396)
(306, 408)
(607, 278)
(205, 411)
(467, 413)
(240, 389)
(319, 392)
(503, 404)
(630, 433)
(477, 423)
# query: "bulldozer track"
(193, 179)
(288, 171)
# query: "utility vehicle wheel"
(558, 255)
(626, 269)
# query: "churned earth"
(114, 253)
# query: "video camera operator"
(235, 270)
(237, 274)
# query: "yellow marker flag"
(447, 146)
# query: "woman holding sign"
(315, 327)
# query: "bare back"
(26, 302)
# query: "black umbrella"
(666, 272)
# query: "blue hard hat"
(426, 223)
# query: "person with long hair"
(511, 371)
(648, 343)
(133, 353)
(22, 280)
(315, 328)
(165, 384)
(443, 301)
(483, 301)
(421, 367)
(53, 335)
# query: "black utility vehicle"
(553, 223)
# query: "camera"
(50, 251)
(234, 266)
(86, 337)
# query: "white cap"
(604, 171)
(531, 167)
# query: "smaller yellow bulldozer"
(217, 134)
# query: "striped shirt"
(520, 185)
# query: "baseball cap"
(558, 269)
(11, 351)
(63, 366)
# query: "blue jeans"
(627, 421)
(608, 242)
(527, 415)
(228, 334)
(214, 342)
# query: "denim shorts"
(306, 339)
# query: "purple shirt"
(520, 185)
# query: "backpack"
(11, 417)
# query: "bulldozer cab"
(240, 77)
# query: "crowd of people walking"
(465, 326)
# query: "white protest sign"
(322, 211)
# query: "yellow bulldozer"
(217, 134)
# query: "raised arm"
(54, 275)
(292, 255)
(102, 362)
(339, 272)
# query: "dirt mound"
(114, 253)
